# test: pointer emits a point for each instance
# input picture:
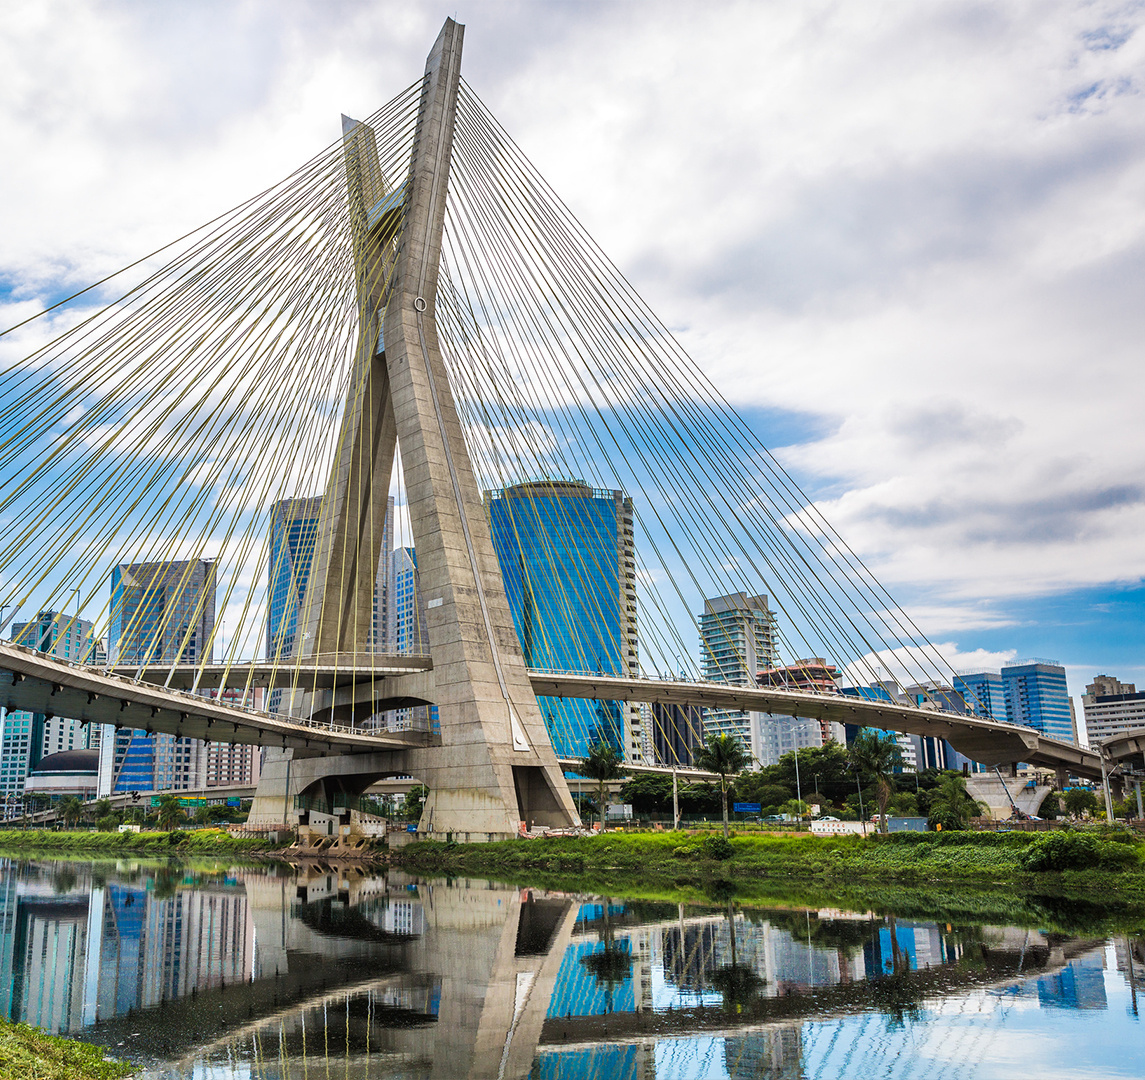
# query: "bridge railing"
(200, 696)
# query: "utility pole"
(1105, 789)
(676, 800)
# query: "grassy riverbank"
(658, 861)
(28, 1054)
(188, 842)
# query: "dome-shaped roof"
(69, 761)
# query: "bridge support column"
(496, 766)
(285, 776)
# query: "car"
(773, 817)
(827, 817)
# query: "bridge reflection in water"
(272, 971)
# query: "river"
(218, 972)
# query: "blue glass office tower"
(293, 529)
(983, 693)
(568, 560)
(293, 534)
(1036, 696)
(161, 612)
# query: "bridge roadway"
(35, 682)
(1125, 745)
(159, 699)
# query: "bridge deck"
(36, 682)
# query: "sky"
(906, 241)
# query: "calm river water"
(324, 972)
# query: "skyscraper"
(293, 528)
(27, 737)
(677, 733)
(737, 641)
(983, 694)
(1036, 696)
(161, 612)
(568, 559)
(1111, 706)
(293, 533)
(405, 630)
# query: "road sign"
(746, 807)
(234, 801)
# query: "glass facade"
(293, 529)
(161, 612)
(293, 536)
(1036, 696)
(984, 694)
(568, 561)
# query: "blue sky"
(906, 241)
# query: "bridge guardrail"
(281, 718)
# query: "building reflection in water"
(218, 971)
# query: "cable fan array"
(562, 372)
(165, 458)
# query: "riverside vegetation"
(182, 842)
(26, 1053)
(1108, 860)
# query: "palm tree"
(69, 809)
(724, 755)
(170, 812)
(952, 804)
(602, 765)
(877, 755)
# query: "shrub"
(716, 847)
(1060, 851)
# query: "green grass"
(181, 842)
(902, 859)
(26, 1053)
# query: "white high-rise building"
(737, 641)
(26, 738)
(1110, 707)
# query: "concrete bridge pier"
(286, 776)
(990, 789)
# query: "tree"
(905, 804)
(204, 813)
(795, 808)
(69, 809)
(953, 806)
(602, 765)
(101, 809)
(648, 794)
(1051, 808)
(414, 802)
(752, 787)
(723, 754)
(1080, 801)
(699, 798)
(876, 755)
(170, 812)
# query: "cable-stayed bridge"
(372, 469)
